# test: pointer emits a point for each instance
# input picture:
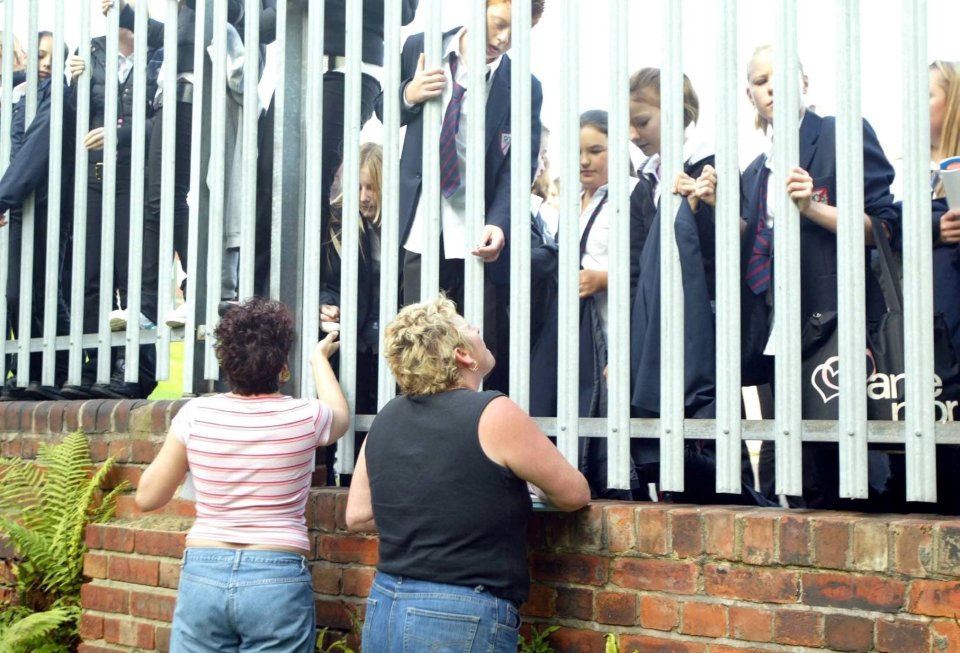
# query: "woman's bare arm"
(164, 475)
(359, 502)
(511, 438)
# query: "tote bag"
(883, 357)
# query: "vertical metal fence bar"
(851, 260)
(276, 199)
(310, 280)
(671, 289)
(429, 208)
(109, 210)
(786, 141)
(618, 284)
(168, 162)
(390, 193)
(28, 211)
(201, 200)
(298, 163)
(728, 252)
(54, 191)
(216, 178)
(476, 103)
(568, 347)
(6, 120)
(350, 252)
(519, 236)
(138, 147)
(33, 61)
(917, 245)
(78, 279)
(251, 113)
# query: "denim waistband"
(238, 556)
(406, 585)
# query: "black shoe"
(117, 391)
(10, 391)
(37, 392)
(77, 391)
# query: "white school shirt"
(596, 254)
(124, 66)
(453, 210)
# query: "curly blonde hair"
(419, 347)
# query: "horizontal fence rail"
(224, 168)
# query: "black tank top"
(446, 513)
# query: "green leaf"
(45, 507)
(35, 631)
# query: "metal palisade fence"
(221, 194)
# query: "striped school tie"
(760, 264)
(449, 160)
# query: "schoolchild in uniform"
(812, 186)
(28, 174)
(693, 227)
(944, 143)
(594, 239)
(368, 286)
(94, 142)
(448, 85)
(180, 96)
(334, 82)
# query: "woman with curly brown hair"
(250, 452)
(442, 476)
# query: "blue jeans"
(243, 600)
(416, 616)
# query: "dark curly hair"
(253, 341)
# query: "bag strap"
(892, 293)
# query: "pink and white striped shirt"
(252, 459)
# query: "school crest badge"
(504, 143)
(820, 195)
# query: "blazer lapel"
(809, 134)
(498, 101)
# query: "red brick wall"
(664, 578)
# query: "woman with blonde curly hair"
(442, 476)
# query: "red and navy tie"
(760, 264)
(449, 160)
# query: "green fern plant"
(45, 506)
(538, 640)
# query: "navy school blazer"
(695, 243)
(818, 246)
(497, 171)
(30, 151)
